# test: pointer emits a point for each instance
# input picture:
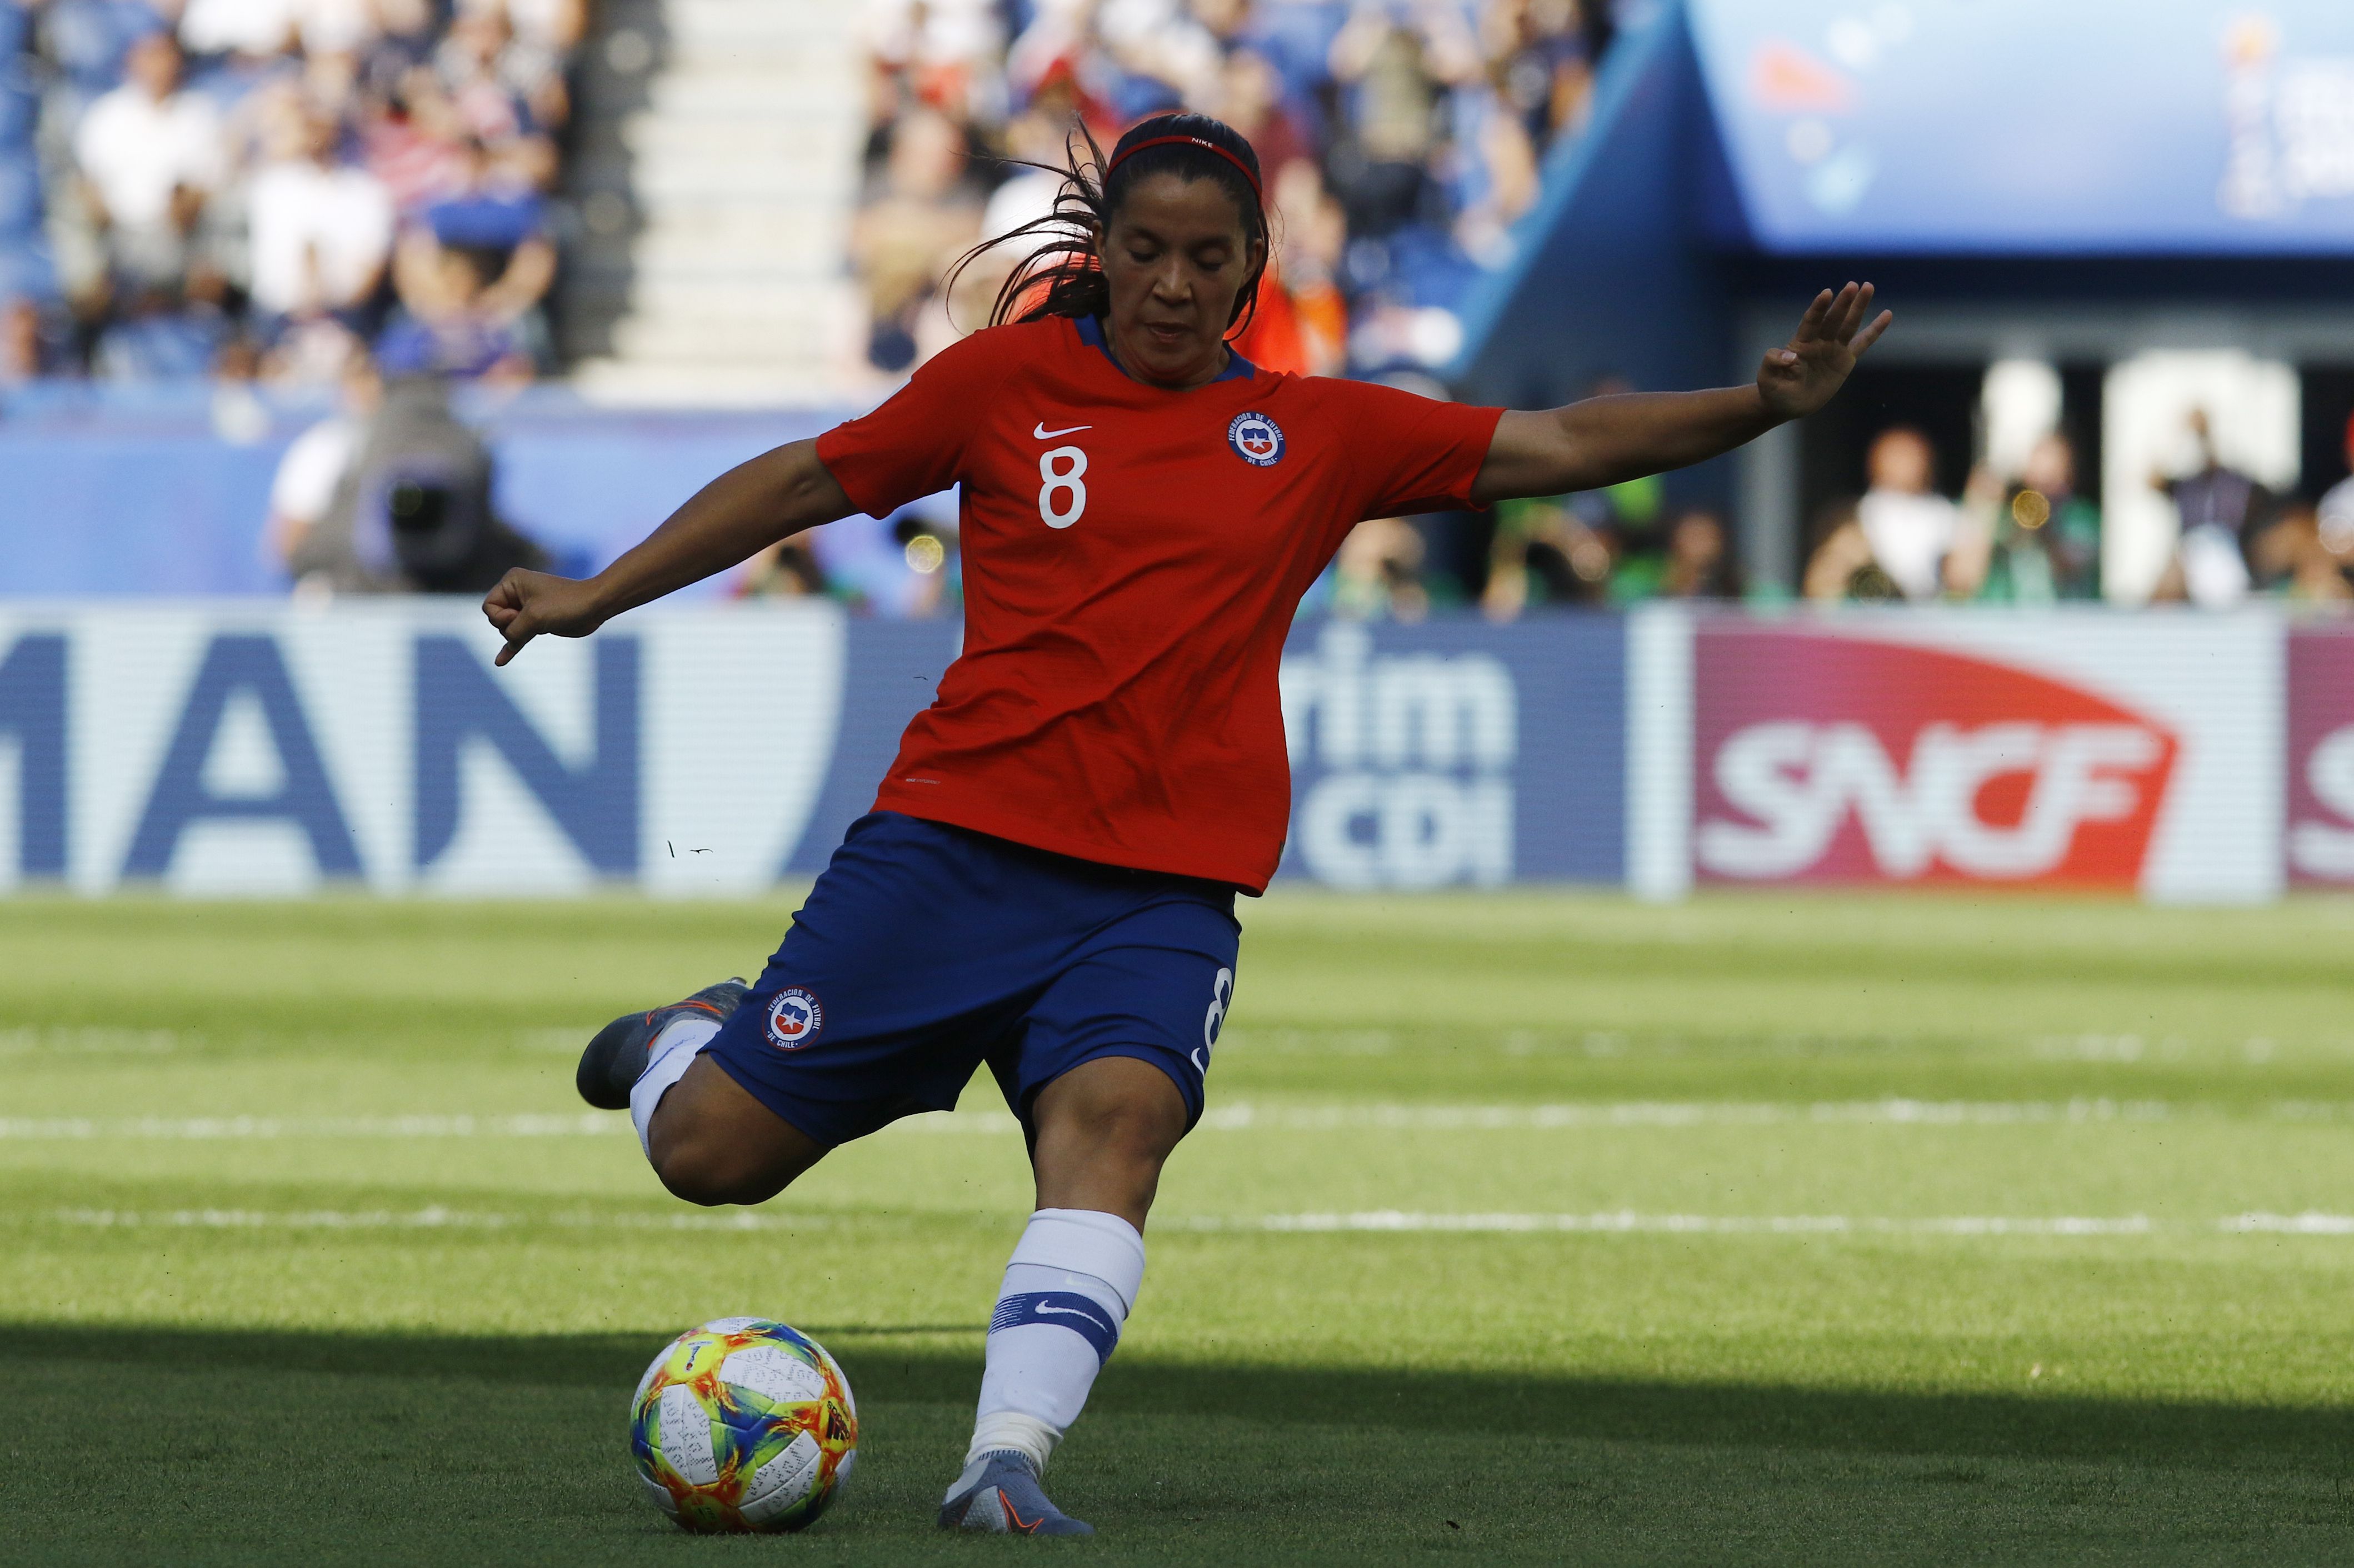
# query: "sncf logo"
(1834, 759)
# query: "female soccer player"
(1046, 881)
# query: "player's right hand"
(527, 603)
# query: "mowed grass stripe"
(1245, 1116)
(1369, 1222)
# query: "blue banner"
(1457, 752)
(2184, 127)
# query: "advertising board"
(2320, 764)
(266, 748)
(2056, 750)
(1457, 752)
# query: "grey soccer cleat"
(999, 1492)
(618, 1054)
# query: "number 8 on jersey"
(1064, 482)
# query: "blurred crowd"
(2034, 536)
(1400, 140)
(274, 189)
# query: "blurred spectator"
(150, 154)
(785, 569)
(919, 212)
(1842, 566)
(2045, 539)
(405, 36)
(470, 274)
(308, 475)
(1544, 554)
(23, 352)
(414, 141)
(1914, 538)
(1394, 63)
(1250, 99)
(1378, 573)
(321, 230)
(210, 28)
(896, 565)
(1541, 59)
(903, 566)
(89, 41)
(2334, 518)
(2292, 557)
(2223, 514)
(1313, 234)
(1697, 563)
(554, 27)
(945, 53)
(507, 94)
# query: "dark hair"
(1063, 275)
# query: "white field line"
(205, 1128)
(431, 1217)
(1238, 1117)
(1379, 1221)
(1244, 1117)
(1625, 1222)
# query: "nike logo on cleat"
(1043, 434)
(1015, 1521)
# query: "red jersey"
(1133, 558)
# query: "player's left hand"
(1800, 377)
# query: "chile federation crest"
(1256, 439)
(794, 1019)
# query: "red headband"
(1119, 158)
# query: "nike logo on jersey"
(1043, 434)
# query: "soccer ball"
(743, 1425)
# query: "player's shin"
(672, 1051)
(1069, 1288)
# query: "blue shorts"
(925, 951)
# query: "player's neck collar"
(1091, 331)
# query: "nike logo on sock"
(1070, 1312)
(1043, 434)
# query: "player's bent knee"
(704, 1170)
(712, 1143)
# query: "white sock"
(1070, 1286)
(674, 1050)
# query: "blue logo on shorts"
(794, 1019)
(1256, 439)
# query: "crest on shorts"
(1256, 439)
(794, 1019)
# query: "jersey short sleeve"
(1413, 453)
(913, 444)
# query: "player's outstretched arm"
(1602, 440)
(736, 516)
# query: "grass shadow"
(895, 1365)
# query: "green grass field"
(1528, 1228)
